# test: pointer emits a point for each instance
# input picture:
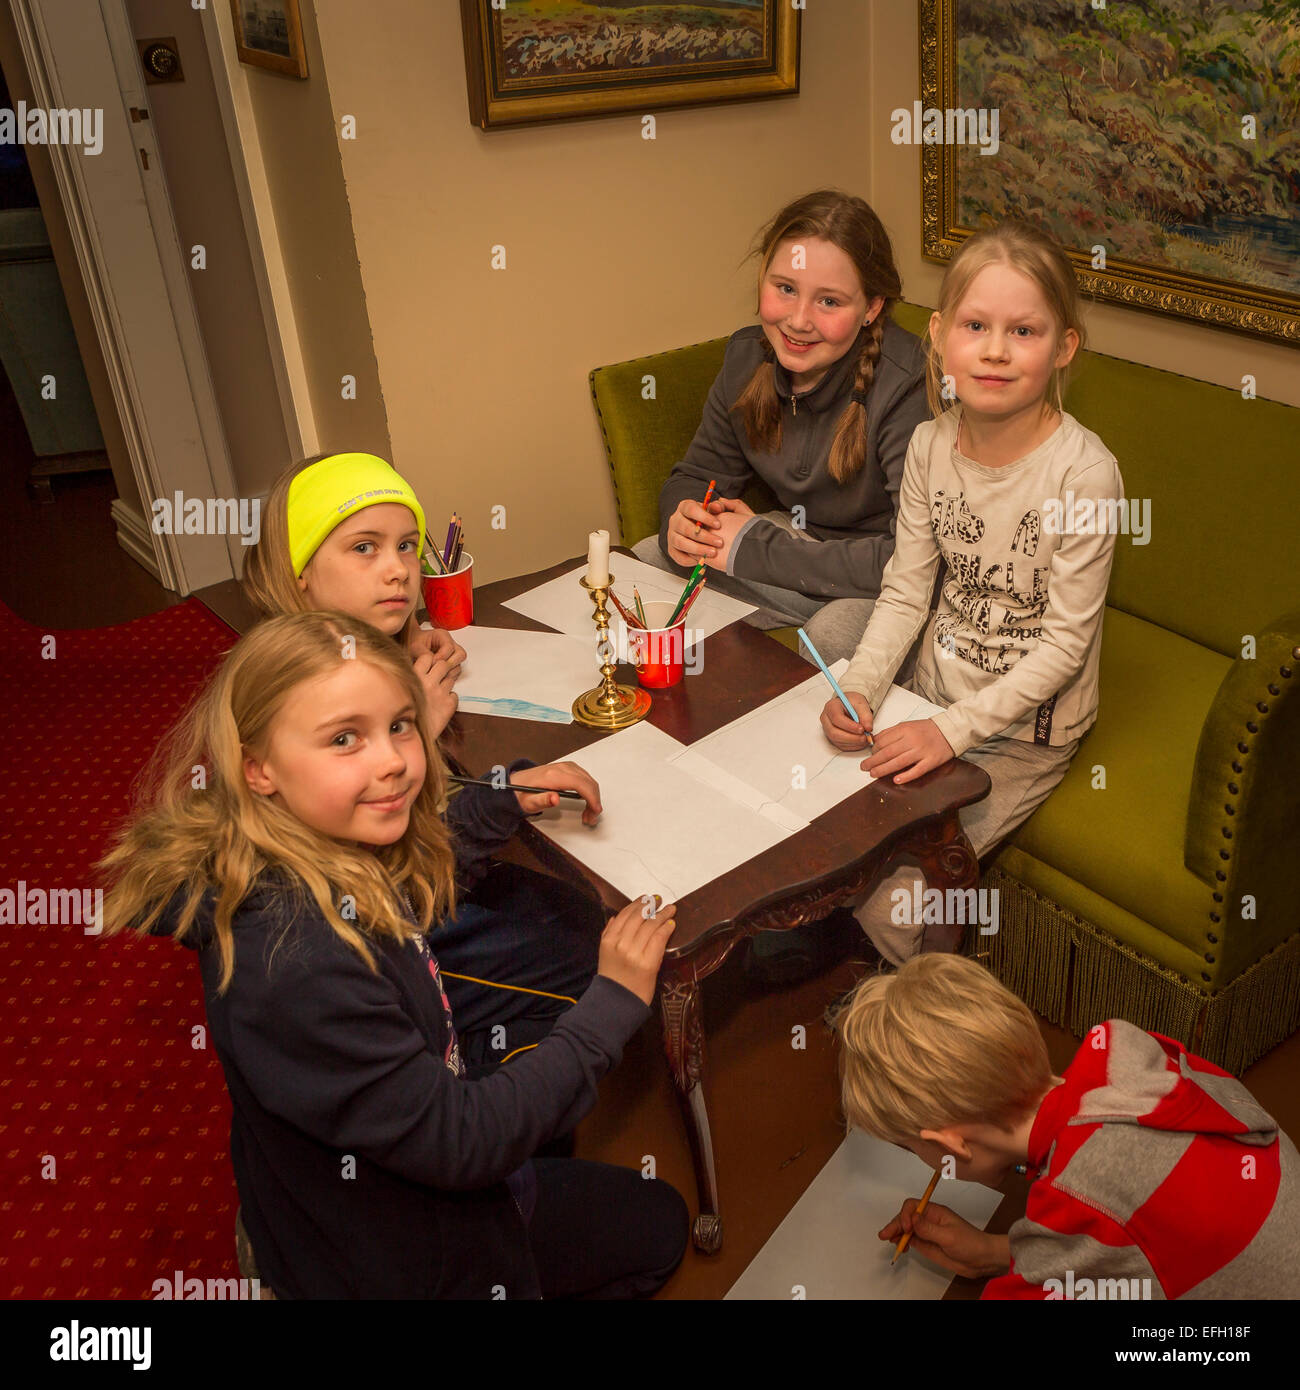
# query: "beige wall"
(296, 129)
(615, 246)
(1176, 345)
(196, 164)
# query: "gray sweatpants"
(835, 626)
(1023, 776)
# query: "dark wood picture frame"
(292, 64)
(499, 97)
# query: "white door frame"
(137, 281)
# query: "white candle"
(598, 559)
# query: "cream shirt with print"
(1014, 646)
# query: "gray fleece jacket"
(852, 522)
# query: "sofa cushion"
(1126, 840)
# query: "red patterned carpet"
(114, 1166)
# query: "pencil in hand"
(513, 787)
(708, 497)
(835, 685)
(906, 1239)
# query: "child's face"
(1003, 345)
(368, 566)
(812, 306)
(344, 755)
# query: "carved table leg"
(680, 1005)
(947, 862)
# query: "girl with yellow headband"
(344, 532)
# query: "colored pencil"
(640, 607)
(458, 546)
(432, 550)
(694, 594)
(451, 536)
(629, 618)
(708, 497)
(920, 1207)
(835, 685)
(686, 592)
(512, 787)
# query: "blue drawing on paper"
(516, 709)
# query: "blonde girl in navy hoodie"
(310, 872)
(344, 532)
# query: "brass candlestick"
(608, 705)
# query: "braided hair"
(850, 224)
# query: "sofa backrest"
(1215, 478)
(649, 410)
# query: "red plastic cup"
(450, 597)
(658, 653)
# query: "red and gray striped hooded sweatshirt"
(1160, 1176)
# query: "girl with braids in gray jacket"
(819, 400)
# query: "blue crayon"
(835, 685)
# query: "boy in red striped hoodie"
(1155, 1174)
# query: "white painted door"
(81, 53)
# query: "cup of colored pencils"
(657, 634)
(448, 579)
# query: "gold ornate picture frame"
(554, 60)
(1161, 152)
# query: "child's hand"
(942, 1236)
(632, 945)
(564, 777)
(840, 729)
(437, 676)
(440, 644)
(916, 746)
(730, 514)
(693, 532)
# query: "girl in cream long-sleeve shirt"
(1021, 503)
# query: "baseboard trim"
(133, 537)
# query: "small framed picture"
(268, 34)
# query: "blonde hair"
(850, 224)
(938, 1043)
(268, 579)
(1023, 247)
(224, 836)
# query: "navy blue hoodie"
(366, 1167)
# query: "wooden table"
(798, 881)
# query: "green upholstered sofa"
(1156, 883)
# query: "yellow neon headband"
(331, 490)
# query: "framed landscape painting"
(548, 60)
(1157, 140)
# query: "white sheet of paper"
(768, 744)
(661, 830)
(827, 1244)
(565, 605)
(524, 675)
